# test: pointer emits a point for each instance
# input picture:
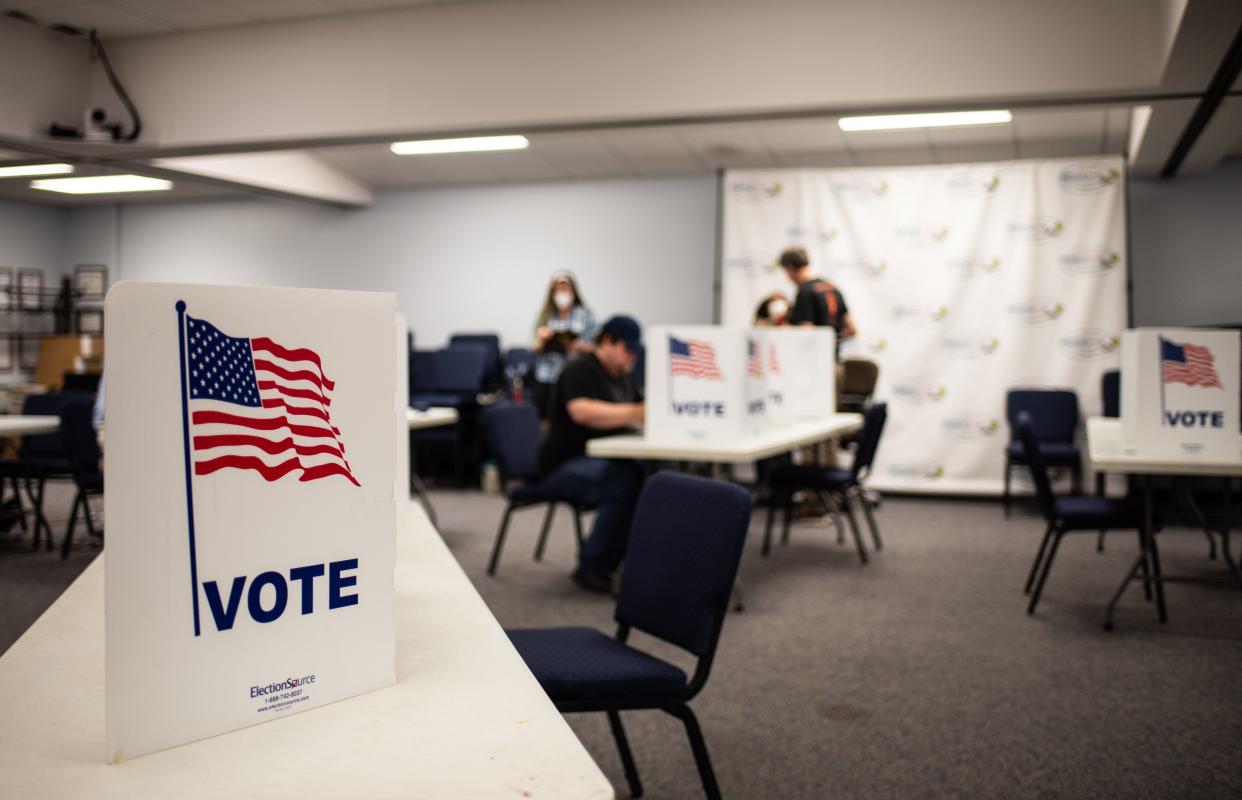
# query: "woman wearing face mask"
(565, 327)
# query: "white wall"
(1186, 254)
(459, 259)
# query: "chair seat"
(807, 477)
(1097, 513)
(585, 664)
(1055, 453)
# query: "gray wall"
(31, 237)
(459, 259)
(1186, 248)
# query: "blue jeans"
(612, 488)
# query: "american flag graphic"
(1190, 364)
(692, 358)
(255, 404)
(774, 366)
(754, 365)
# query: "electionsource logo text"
(973, 266)
(1035, 310)
(1036, 229)
(1086, 177)
(1089, 344)
(918, 392)
(920, 315)
(970, 183)
(921, 234)
(281, 686)
(970, 345)
(862, 187)
(917, 471)
(1089, 260)
(861, 266)
(812, 233)
(970, 426)
(756, 190)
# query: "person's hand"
(544, 333)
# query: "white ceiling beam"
(468, 67)
(291, 174)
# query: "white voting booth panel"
(800, 372)
(1180, 392)
(251, 522)
(704, 381)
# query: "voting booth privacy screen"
(964, 281)
(251, 458)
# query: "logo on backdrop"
(970, 426)
(1036, 229)
(861, 187)
(1035, 310)
(922, 234)
(973, 266)
(869, 269)
(1089, 260)
(742, 263)
(877, 346)
(970, 345)
(1087, 177)
(920, 315)
(920, 471)
(973, 183)
(811, 233)
(919, 392)
(254, 404)
(1089, 344)
(756, 190)
(1191, 365)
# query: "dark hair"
(794, 258)
(549, 305)
(763, 312)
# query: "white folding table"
(466, 719)
(1105, 451)
(434, 417)
(726, 451)
(30, 425)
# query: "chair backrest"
(512, 431)
(869, 440)
(1039, 471)
(78, 431)
(520, 360)
(422, 370)
(1053, 412)
(681, 559)
(1110, 392)
(859, 376)
(42, 445)
(490, 342)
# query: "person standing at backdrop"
(772, 312)
(566, 327)
(818, 302)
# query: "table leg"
(1150, 550)
(1225, 511)
(419, 489)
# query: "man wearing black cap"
(596, 396)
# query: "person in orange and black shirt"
(818, 303)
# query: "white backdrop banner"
(964, 281)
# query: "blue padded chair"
(512, 432)
(520, 363)
(1110, 392)
(493, 372)
(40, 458)
(836, 487)
(82, 447)
(1069, 514)
(680, 564)
(450, 377)
(1054, 415)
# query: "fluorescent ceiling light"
(893, 122)
(473, 144)
(103, 184)
(26, 170)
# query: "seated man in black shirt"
(595, 396)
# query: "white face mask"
(777, 309)
(563, 299)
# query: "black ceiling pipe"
(1228, 71)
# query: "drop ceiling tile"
(1059, 148)
(1068, 124)
(653, 151)
(579, 155)
(111, 22)
(982, 151)
(893, 156)
(735, 145)
(817, 158)
(801, 135)
(970, 134)
(186, 14)
(270, 10)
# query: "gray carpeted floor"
(918, 675)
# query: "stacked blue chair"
(450, 377)
(82, 447)
(837, 487)
(512, 432)
(680, 564)
(40, 458)
(1054, 417)
(493, 372)
(1069, 514)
